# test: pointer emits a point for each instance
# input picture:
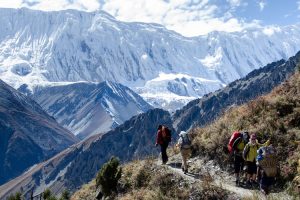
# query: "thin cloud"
(188, 17)
(298, 3)
(262, 5)
(234, 3)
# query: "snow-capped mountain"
(162, 66)
(87, 108)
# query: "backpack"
(233, 137)
(186, 142)
(269, 162)
(166, 135)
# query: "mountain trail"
(204, 172)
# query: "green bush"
(17, 196)
(108, 177)
(65, 195)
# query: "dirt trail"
(198, 170)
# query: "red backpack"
(166, 135)
(233, 137)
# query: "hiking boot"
(186, 171)
(263, 191)
(248, 184)
(182, 169)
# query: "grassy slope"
(275, 116)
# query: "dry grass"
(275, 116)
(87, 192)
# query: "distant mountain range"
(165, 68)
(78, 164)
(87, 108)
(135, 138)
(28, 134)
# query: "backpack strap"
(246, 151)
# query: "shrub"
(46, 194)
(108, 177)
(65, 195)
(17, 196)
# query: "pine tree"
(108, 177)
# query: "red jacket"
(159, 137)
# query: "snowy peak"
(89, 108)
(69, 46)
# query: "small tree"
(17, 196)
(108, 177)
(65, 195)
(46, 194)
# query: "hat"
(182, 133)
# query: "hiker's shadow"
(177, 165)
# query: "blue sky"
(188, 17)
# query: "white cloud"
(234, 3)
(298, 3)
(270, 30)
(188, 17)
(262, 5)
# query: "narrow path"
(241, 192)
(200, 170)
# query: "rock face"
(87, 108)
(28, 134)
(203, 111)
(79, 164)
(71, 46)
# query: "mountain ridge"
(72, 46)
(28, 134)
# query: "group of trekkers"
(163, 138)
(254, 163)
(257, 160)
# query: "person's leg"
(184, 160)
(166, 146)
(164, 155)
(237, 169)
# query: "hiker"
(238, 147)
(267, 168)
(163, 138)
(249, 155)
(185, 144)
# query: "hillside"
(78, 164)
(28, 135)
(201, 112)
(275, 116)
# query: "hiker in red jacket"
(163, 142)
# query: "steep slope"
(261, 81)
(87, 108)
(38, 47)
(79, 164)
(275, 116)
(28, 134)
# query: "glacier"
(167, 69)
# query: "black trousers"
(164, 155)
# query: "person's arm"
(235, 143)
(267, 143)
(158, 138)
